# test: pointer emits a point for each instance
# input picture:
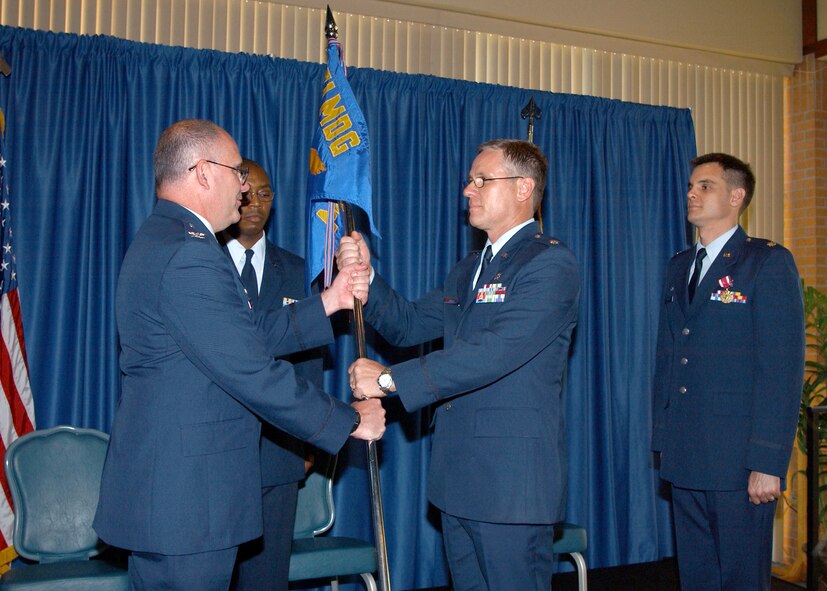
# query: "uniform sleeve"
(663, 358)
(403, 323)
(300, 326)
(210, 324)
(778, 317)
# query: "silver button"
(448, 406)
(682, 389)
(684, 360)
(685, 331)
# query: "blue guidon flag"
(339, 167)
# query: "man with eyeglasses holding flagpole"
(181, 484)
(498, 464)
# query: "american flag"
(16, 405)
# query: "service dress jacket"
(498, 448)
(182, 472)
(282, 284)
(729, 366)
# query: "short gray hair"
(181, 145)
(523, 159)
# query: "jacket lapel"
(501, 260)
(273, 280)
(721, 267)
(465, 277)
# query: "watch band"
(385, 372)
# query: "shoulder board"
(760, 242)
(547, 240)
(192, 232)
(680, 252)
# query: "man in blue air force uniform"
(181, 485)
(273, 278)
(728, 376)
(498, 468)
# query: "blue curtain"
(84, 113)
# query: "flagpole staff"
(531, 111)
(332, 32)
(373, 458)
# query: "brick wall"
(805, 231)
(805, 169)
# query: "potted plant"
(814, 393)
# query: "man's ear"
(736, 197)
(525, 188)
(201, 176)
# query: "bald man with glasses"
(181, 484)
(274, 279)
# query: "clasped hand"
(372, 424)
(353, 249)
(364, 374)
(352, 281)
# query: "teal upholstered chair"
(54, 476)
(315, 556)
(571, 539)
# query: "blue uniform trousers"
(205, 571)
(724, 542)
(495, 556)
(264, 563)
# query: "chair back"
(314, 510)
(54, 476)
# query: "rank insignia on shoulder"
(726, 296)
(285, 301)
(490, 293)
(727, 255)
(546, 240)
(771, 243)
(193, 233)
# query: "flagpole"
(530, 112)
(332, 32)
(373, 457)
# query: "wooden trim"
(819, 48)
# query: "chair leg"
(580, 563)
(370, 583)
(368, 579)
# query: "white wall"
(766, 30)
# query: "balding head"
(198, 166)
(181, 145)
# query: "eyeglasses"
(479, 181)
(262, 195)
(242, 171)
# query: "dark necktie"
(486, 258)
(696, 274)
(248, 278)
